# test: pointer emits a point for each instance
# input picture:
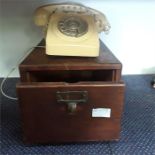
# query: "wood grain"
(46, 120)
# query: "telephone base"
(60, 50)
(57, 43)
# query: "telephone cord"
(12, 70)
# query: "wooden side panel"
(45, 120)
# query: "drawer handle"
(72, 98)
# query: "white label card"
(101, 112)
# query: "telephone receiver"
(43, 13)
(71, 27)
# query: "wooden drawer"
(46, 119)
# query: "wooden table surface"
(37, 60)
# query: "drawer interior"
(71, 76)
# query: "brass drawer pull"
(71, 98)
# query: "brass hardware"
(71, 98)
(71, 107)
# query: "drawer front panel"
(46, 119)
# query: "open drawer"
(70, 112)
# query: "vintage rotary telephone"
(71, 29)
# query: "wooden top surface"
(38, 60)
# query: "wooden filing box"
(49, 83)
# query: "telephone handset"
(71, 29)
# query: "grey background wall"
(132, 36)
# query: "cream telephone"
(71, 29)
